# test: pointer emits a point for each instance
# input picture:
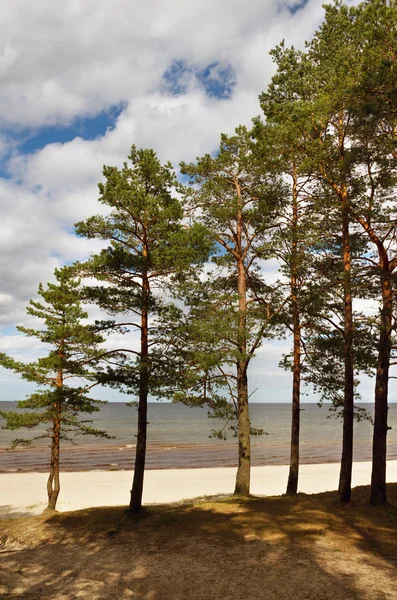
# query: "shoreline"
(179, 437)
(187, 468)
(160, 457)
(24, 494)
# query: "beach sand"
(25, 493)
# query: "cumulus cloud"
(180, 74)
(63, 60)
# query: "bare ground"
(303, 548)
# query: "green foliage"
(330, 114)
(235, 169)
(330, 133)
(145, 227)
(73, 355)
(231, 309)
(151, 247)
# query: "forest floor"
(305, 548)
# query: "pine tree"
(321, 111)
(237, 201)
(375, 125)
(207, 344)
(74, 356)
(149, 244)
(354, 54)
(349, 146)
(323, 339)
(291, 241)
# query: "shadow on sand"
(303, 548)
(9, 512)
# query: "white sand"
(26, 492)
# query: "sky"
(83, 80)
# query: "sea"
(180, 437)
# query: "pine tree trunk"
(345, 476)
(378, 477)
(140, 453)
(292, 485)
(243, 476)
(53, 482)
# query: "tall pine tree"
(237, 200)
(74, 356)
(149, 243)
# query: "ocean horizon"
(180, 437)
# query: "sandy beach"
(25, 493)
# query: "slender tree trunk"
(243, 476)
(379, 443)
(345, 476)
(53, 483)
(140, 453)
(378, 477)
(292, 485)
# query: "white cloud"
(65, 60)
(62, 60)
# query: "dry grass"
(303, 548)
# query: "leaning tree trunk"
(53, 483)
(378, 477)
(140, 453)
(292, 485)
(345, 477)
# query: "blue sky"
(217, 80)
(88, 128)
(80, 85)
(295, 7)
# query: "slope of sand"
(305, 548)
(25, 493)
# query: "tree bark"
(378, 477)
(53, 482)
(292, 485)
(345, 476)
(140, 452)
(243, 476)
(379, 442)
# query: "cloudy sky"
(81, 81)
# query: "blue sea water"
(178, 437)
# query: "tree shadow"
(8, 512)
(307, 547)
(375, 526)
